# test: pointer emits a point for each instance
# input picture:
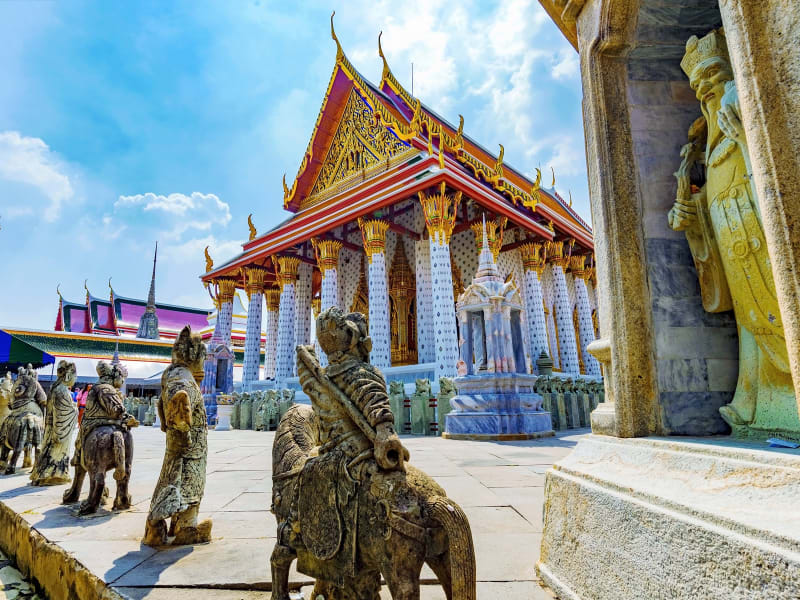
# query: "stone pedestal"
(664, 518)
(497, 406)
(224, 412)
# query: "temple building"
(385, 216)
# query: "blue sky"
(126, 123)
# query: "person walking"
(82, 402)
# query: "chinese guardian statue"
(718, 210)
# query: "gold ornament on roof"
(553, 184)
(555, 253)
(402, 308)
(327, 254)
(255, 278)
(226, 288)
(253, 232)
(273, 298)
(287, 270)
(440, 213)
(209, 261)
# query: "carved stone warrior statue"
(52, 464)
(104, 441)
(6, 386)
(718, 210)
(349, 506)
(23, 429)
(182, 415)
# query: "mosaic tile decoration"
(425, 338)
(270, 343)
(285, 362)
(379, 312)
(302, 315)
(444, 317)
(252, 339)
(585, 328)
(568, 348)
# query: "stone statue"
(183, 474)
(421, 411)
(447, 390)
(237, 399)
(52, 463)
(285, 402)
(104, 442)
(23, 429)
(717, 208)
(397, 397)
(150, 415)
(245, 421)
(258, 399)
(6, 387)
(349, 506)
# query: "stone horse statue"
(23, 429)
(348, 505)
(104, 442)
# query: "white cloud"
(29, 161)
(567, 65)
(173, 214)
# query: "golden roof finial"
(86, 287)
(109, 285)
(253, 232)
(58, 291)
(209, 261)
(570, 198)
(386, 69)
(537, 184)
(552, 185)
(339, 51)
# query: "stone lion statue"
(182, 481)
(349, 506)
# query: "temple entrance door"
(222, 374)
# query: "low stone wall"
(52, 568)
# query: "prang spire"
(148, 323)
(151, 297)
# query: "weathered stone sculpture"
(104, 442)
(183, 474)
(22, 430)
(6, 387)
(397, 398)
(717, 208)
(285, 402)
(245, 418)
(52, 463)
(447, 390)
(237, 399)
(421, 409)
(349, 507)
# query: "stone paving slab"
(499, 485)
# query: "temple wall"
(348, 273)
(696, 352)
(464, 252)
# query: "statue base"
(224, 412)
(672, 518)
(497, 406)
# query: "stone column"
(577, 265)
(273, 298)
(762, 42)
(425, 340)
(533, 260)
(567, 346)
(254, 286)
(440, 215)
(374, 236)
(327, 252)
(302, 315)
(227, 288)
(285, 362)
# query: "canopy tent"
(15, 353)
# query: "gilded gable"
(359, 144)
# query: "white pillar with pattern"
(327, 252)
(285, 362)
(374, 236)
(533, 259)
(568, 347)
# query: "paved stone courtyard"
(499, 485)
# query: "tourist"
(82, 402)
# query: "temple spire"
(487, 268)
(148, 323)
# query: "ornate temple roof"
(375, 145)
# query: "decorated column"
(374, 236)
(285, 360)
(440, 216)
(254, 286)
(567, 345)
(302, 315)
(425, 339)
(584, 309)
(272, 296)
(533, 260)
(327, 252)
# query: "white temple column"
(302, 314)
(425, 340)
(273, 299)
(254, 286)
(285, 362)
(440, 215)
(328, 261)
(567, 345)
(585, 325)
(374, 236)
(533, 256)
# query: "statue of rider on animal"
(349, 505)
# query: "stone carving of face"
(708, 82)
